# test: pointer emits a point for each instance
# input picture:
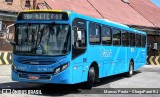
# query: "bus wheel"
(131, 70)
(91, 78)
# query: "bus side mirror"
(7, 34)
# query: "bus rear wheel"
(131, 70)
(91, 78)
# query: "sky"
(156, 2)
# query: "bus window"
(116, 37)
(132, 39)
(125, 39)
(94, 33)
(42, 39)
(143, 41)
(78, 37)
(138, 40)
(106, 35)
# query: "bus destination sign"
(43, 16)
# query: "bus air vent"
(37, 62)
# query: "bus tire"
(131, 69)
(91, 78)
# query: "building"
(8, 13)
(151, 12)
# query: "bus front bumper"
(63, 77)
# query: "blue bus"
(64, 47)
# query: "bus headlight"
(61, 68)
(64, 66)
(57, 70)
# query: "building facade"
(8, 13)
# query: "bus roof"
(115, 22)
(108, 23)
(102, 21)
(44, 11)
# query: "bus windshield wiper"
(42, 31)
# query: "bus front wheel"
(91, 78)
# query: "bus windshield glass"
(42, 39)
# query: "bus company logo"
(22, 67)
(105, 53)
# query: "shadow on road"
(46, 89)
(59, 90)
(113, 78)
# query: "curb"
(154, 60)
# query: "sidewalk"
(5, 70)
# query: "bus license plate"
(33, 77)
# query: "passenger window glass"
(125, 39)
(106, 35)
(116, 37)
(138, 40)
(94, 33)
(132, 39)
(143, 41)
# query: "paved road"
(146, 77)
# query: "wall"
(151, 40)
(4, 46)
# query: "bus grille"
(37, 62)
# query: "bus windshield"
(42, 39)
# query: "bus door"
(79, 55)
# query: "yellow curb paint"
(151, 60)
(0, 59)
(156, 60)
(0, 62)
(5, 57)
